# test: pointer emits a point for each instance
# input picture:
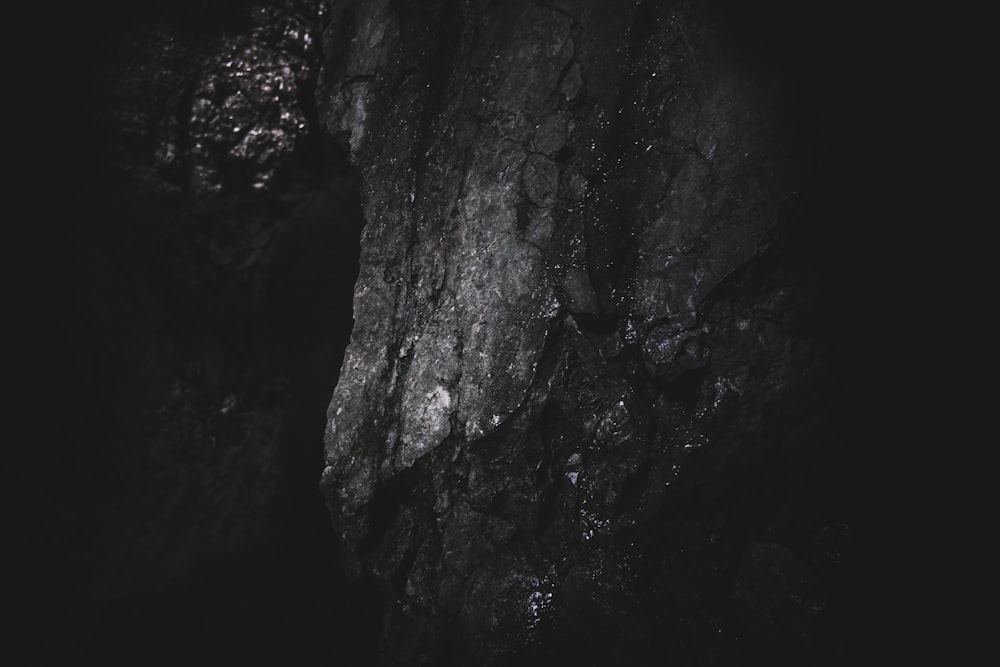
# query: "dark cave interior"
(171, 513)
(201, 327)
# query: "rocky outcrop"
(588, 406)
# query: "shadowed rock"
(588, 388)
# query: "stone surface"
(588, 407)
(600, 404)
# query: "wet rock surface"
(587, 382)
(593, 406)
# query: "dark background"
(181, 340)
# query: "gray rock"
(575, 308)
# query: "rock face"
(590, 405)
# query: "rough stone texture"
(587, 410)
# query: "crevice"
(384, 508)
(598, 323)
(564, 154)
(683, 388)
(402, 573)
(633, 492)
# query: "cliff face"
(592, 402)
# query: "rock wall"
(592, 402)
